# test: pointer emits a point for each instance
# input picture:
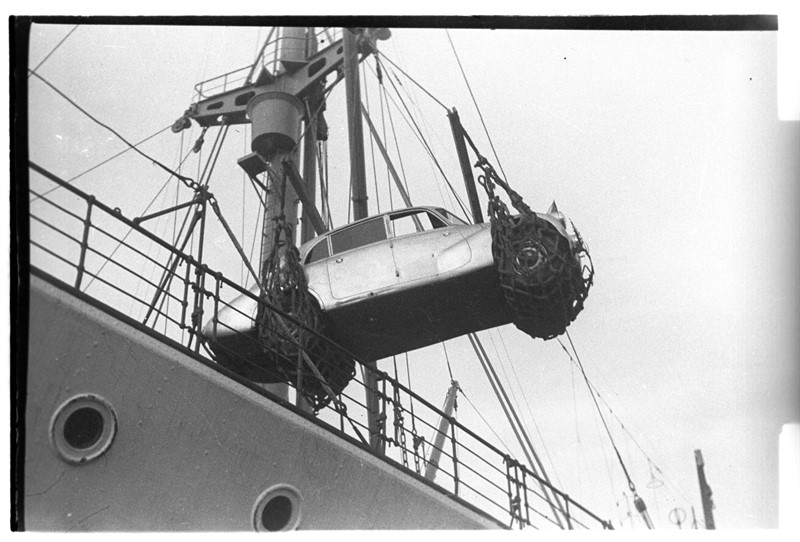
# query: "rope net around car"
(319, 370)
(542, 274)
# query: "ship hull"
(195, 447)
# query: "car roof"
(308, 244)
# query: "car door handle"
(339, 260)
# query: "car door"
(361, 260)
(420, 239)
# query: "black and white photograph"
(326, 273)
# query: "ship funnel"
(276, 123)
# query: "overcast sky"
(665, 150)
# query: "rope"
(434, 98)
(381, 91)
(625, 429)
(256, 228)
(513, 419)
(371, 142)
(107, 160)
(427, 147)
(39, 65)
(447, 357)
(424, 130)
(417, 130)
(186, 180)
(244, 175)
(478, 412)
(147, 208)
(522, 392)
(201, 197)
(631, 485)
(161, 220)
(474, 101)
(396, 146)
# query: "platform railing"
(99, 252)
(268, 60)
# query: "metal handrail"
(468, 471)
(266, 60)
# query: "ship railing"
(221, 83)
(86, 247)
(267, 61)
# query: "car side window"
(450, 216)
(415, 221)
(359, 235)
(319, 252)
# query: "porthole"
(278, 509)
(83, 428)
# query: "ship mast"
(283, 99)
(276, 118)
(276, 124)
(358, 193)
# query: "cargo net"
(319, 370)
(542, 274)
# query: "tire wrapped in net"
(290, 347)
(541, 278)
(541, 273)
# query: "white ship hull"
(194, 448)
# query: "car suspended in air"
(402, 280)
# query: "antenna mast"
(705, 491)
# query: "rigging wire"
(371, 140)
(107, 160)
(631, 485)
(186, 180)
(175, 218)
(445, 197)
(579, 448)
(244, 175)
(603, 450)
(255, 231)
(53, 50)
(130, 230)
(381, 90)
(491, 428)
(165, 282)
(475, 342)
(396, 144)
(447, 357)
(434, 98)
(525, 399)
(513, 418)
(160, 221)
(427, 147)
(474, 101)
(594, 389)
